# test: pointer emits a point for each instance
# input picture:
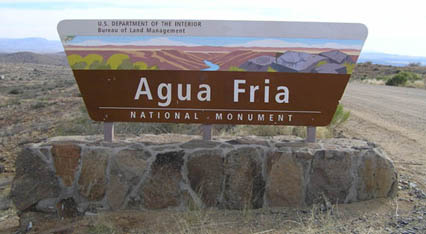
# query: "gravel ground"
(394, 118)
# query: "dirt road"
(394, 118)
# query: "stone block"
(377, 176)
(92, 181)
(127, 167)
(66, 158)
(284, 187)
(330, 176)
(206, 174)
(241, 174)
(162, 187)
(34, 180)
(244, 185)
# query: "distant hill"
(390, 59)
(29, 57)
(32, 44)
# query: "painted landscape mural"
(212, 54)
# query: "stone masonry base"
(79, 174)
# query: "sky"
(395, 27)
(214, 41)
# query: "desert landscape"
(39, 99)
(324, 60)
(220, 53)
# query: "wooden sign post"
(211, 72)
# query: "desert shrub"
(126, 65)
(91, 58)
(79, 66)
(339, 117)
(270, 69)
(349, 67)
(99, 66)
(402, 78)
(116, 60)
(15, 91)
(140, 65)
(397, 80)
(234, 68)
(411, 76)
(321, 63)
(38, 105)
(74, 58)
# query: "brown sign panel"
(212, 72)
(211, 97)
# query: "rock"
(34, 180)
(292, 61)
(4, 182)
(2, 169)
(127, 167)
(67, 208)
(330, 68)
(162, 189)
(419, 194)
(66, 157)
(244, 185)
(377, 174)
(238, 174)
(32, 221)
(193, 144)
(206, 174)
(330, 175)
(5, 203)
(131, 162)
(284, 186)
(260, 63)
(248, 141)
(92, 181)
(336, 56)
(26, 221)
(118, 188)
(47, 205)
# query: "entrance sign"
(211, 72)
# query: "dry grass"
(374, 81)
(420, 84)
(314, 220)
